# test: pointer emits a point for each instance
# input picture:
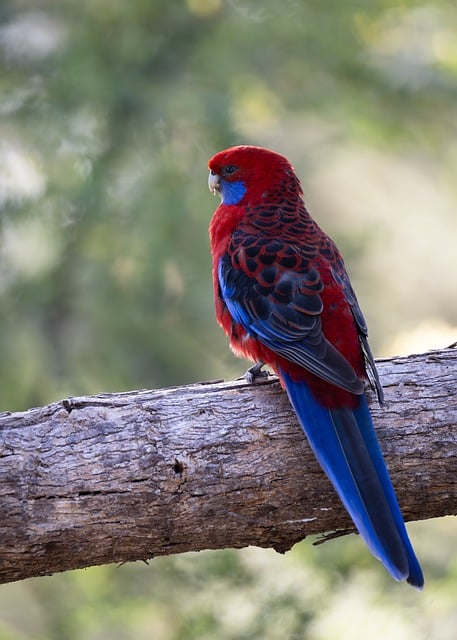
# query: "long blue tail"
(345, 444)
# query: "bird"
(283, 297)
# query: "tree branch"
(128, 476)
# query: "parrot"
(283, 297)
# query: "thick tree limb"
(128, 476)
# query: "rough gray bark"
(129, 476)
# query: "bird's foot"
(255, 373)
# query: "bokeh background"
(109, 111)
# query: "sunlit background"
(109, 111)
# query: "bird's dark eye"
(230, 169)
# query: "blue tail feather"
(345, 444)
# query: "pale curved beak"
(214, 180)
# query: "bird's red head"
(248, 173)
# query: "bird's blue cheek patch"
(232, 192)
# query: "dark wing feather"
(281, 306)
(342, 278)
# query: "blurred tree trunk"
(129, 476)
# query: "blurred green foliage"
(109, 112)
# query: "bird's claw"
(254, 373)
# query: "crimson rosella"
(284, 299)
